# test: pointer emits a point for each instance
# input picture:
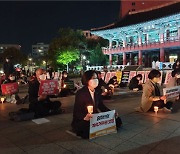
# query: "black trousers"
(43, 108)
(160, 105)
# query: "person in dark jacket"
(176, 65)
(102, 88)
(8, 67)
(84, 97)
(41, 105)
(135, 82)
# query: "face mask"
(94, 83)
(12, 78)
(42, 77)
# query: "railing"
(143, 45)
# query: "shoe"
(166, 110)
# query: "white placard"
(41, 121)
(171, 92)
(102, 124)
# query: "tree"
(97, 57)
(67, 56)
(16, 55)
(66, 38)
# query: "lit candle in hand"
(90, 109)
(2, 99)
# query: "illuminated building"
(143, 36)
(39, 49)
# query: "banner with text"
(48, 87)
(9, 88)
(102, 124)
(171, 92)
(168, 77)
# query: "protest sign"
(168, 77)
(107, 77)
(9, 88)
(48, 87)
(102, 124)
(119, 76)
(171, 92)
(131, 75)
(146, 76)
(125, 77)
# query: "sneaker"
(166, 110)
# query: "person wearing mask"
(84, 97)
(41, 105)
(135, 82)
(13, 98)
(102, 88)
(176, 65)
(175, 80)
(152, 95)
(8, 67)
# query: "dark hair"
(175, 72)
(114, 77)
(87, 76)
(139, 76)
(64, 72)
(98, 72)
(154, 74)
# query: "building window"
(133, 3)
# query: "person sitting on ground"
(102, 88)
(135, 83)
(113, 81)
(152, 94)
(84, 97)
(41, 105)
(175, 80)
(14, 98)
(176, 65)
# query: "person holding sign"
(175, 80)
(87, 101)
(41, 105)
(135, 82)
(152, 94)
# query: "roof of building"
(143, 16)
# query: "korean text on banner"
(102, 124)
(171, 92)
(48, 87)
(9, 88)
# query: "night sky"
(27, 23)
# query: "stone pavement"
(141, 132)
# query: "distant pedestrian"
(8, 67)
(135, 83)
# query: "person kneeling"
(41, 105)
(152, 96)
(135, 83)
(84, 97)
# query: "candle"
(90, 109)
(156, 109)
(2, 99)
(106, 90)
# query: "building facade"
(39, 50)
(144, 36)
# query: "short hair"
(87, 76)
(154, 74)
(139, 76)
(173, 73)
(98, 72)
